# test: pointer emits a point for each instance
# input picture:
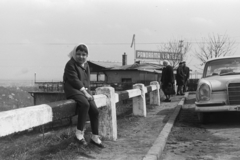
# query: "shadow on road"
(224, 120)
(216, 119)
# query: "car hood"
(220, 82)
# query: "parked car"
(219, 88)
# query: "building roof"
(148, 67)
(117, 66)
(151, 70)
(106, 64)
(139, 66)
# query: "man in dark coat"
(167, 80)
(186, 71)
(180, 77)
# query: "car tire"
(203, 117)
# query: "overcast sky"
(37, 35)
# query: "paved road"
(218, 140)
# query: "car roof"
(225, 57)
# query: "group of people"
(168, 79)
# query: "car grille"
(234, 93)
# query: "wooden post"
(139, 102)
(155, 95)
(107, 114)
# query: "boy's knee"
(84, 106)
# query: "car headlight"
(204, 92)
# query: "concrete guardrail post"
(155, 95)
(107, 115)
(139, 102)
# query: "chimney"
(124, 59)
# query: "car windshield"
(228, 66)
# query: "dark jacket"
(180, 76)
(186, 71)
(75, 77)
(167, 75)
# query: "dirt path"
(135, 137)
(136, 134)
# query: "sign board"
(142, 55)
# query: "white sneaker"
(96, 139)
(79, 134)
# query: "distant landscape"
(9, 82)
(13, 97)
(14, 94)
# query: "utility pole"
(133, 43)
(35, 74)
(180, 48)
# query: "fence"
(58, 86)
(106, 98)
(192, 84)
(119, 86)
(49, 86)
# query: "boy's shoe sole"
(99, 145)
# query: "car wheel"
(203, 117)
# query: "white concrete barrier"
(155, 94)
(24, 118)
(108, 116)
(139, 102)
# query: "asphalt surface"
(190, 140)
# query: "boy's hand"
(89, 96)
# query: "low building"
(134, 73)
(117, 75)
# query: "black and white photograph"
(120, 79)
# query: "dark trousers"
(180, 89)
(185, 86)
(85, 107)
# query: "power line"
(140, 43)
(28, 66)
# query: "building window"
(97, 77)
(93, 77)
(101, 77)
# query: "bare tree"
(214, 46)
(176, 46)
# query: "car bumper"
(216, 108)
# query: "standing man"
(186, 71)
(167, 80)
(180, 77)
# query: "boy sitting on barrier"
(77, 87)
